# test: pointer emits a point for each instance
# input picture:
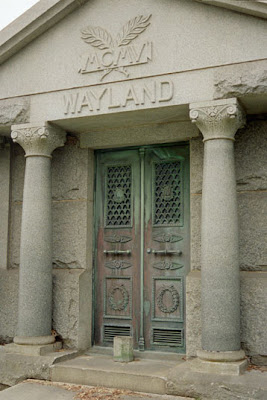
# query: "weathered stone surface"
(235, 81)
(123, 348)
(184, 381)
(193, 313)
(195, 205)
(252, 207)
(72, 297)
(72, 293)
(69, 171)
(196, 165)
(14, 111)
(5, 201)
(15, 368)
(251, 156)
(70, 234)
(8, 304)
(15, 229)
(66, 305)
(253, 312)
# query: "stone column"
(218, 121)
(35, 280)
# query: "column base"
(33, 350)
(219, 367)
(221, 356)
(34, 340)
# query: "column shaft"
(35, 285)
(220, 282)
(219, 244)
(35, 280)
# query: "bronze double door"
(142, 246)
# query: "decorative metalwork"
(175, 299)
(167, 194)
(167, 238)
(165, 265)
(118, 196)
(116, 265)
(115, 304)
(117, 239)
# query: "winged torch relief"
(116, 54)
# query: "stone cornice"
(33, 23)
(218, 119)
(38, 139)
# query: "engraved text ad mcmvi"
(116, 54)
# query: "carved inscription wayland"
(116, 54)
(87, 101)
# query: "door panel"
(118, 250)
(166, 247)
(142, 214)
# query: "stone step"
(141, 375)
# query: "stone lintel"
(218, 119)
(38, 139)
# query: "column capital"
(218, 119)
(38, 139)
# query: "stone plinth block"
(123, 348)
(219, 368)
(33, 350)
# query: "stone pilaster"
(218, 121)
(35, 282)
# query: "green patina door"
(142, 246)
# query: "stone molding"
(218, 119)
(38, 139)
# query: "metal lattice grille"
(110, 331)
(167, 193)
(118, 195)
(169, 337)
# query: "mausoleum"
(133, 170)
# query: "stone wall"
(251, 175)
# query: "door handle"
(117, 252)
(164, 252)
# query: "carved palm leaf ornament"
(102, 39)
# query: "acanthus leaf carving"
(38, 140)
(219, 119)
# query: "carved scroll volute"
(38, 139)
(218, 119)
